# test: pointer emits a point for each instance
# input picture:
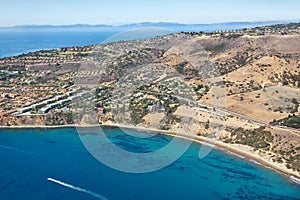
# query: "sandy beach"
(238, 151)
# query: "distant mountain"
(143, 24)
(168, 25)
(201, 27)
(157, 24)
(151, 24)
(63, 26)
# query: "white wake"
(15, 149)
(294, 179)
(77, 188)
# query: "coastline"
(227, 148)
(243, 154)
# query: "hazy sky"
(17, 12)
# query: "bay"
(54, 164)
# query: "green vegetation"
(296, 103)
(216, 49)
(180, 69)
(169, 121)
(293, 121)
(294, 162)
(258, 138)
(34, 111)
(139, 110)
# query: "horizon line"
(151, 22)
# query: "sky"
(115, 12)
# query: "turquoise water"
(31, 156)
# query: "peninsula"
(245, 81)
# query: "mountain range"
(174, 26)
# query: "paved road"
(223, 112)
(262, 123)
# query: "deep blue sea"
(54, 164)
(16, 42)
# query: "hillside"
(246, 81)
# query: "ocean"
(18, 40)
(54, 164)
